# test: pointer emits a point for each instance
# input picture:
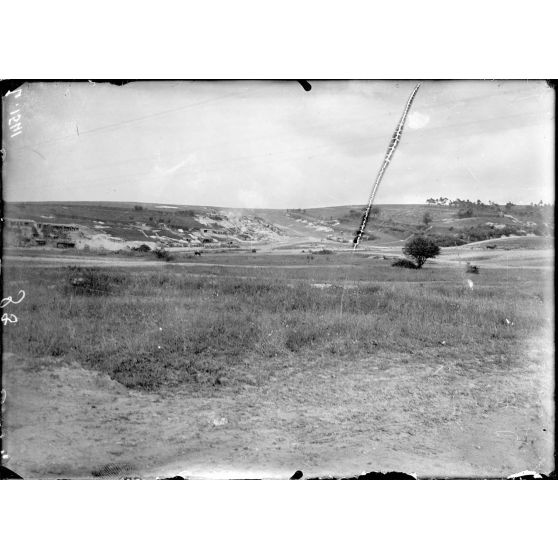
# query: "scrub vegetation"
(154, 328)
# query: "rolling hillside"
(125, 226)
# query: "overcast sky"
(272, 144)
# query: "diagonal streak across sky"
(390, 151)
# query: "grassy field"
(250, 367)
(153, 328)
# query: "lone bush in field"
(421, 248)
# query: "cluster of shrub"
(479, 203)
(476, 233)
(465, 212)
(468, 208)
(402, 262)
(162, 254)
(353, 214)
(93, 281)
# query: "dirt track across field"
(64, 421)
(532, 259)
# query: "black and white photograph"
(276, 279)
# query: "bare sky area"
(272, 144)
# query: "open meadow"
(261, 364)
(246, 278)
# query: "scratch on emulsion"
(389, 154)
(395, 139)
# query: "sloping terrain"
(124, 226)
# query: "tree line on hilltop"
(480, 204)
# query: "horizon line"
(92, 202)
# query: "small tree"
(421, 248)
(427, 218)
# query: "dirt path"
(377, 414)
(41, 261)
